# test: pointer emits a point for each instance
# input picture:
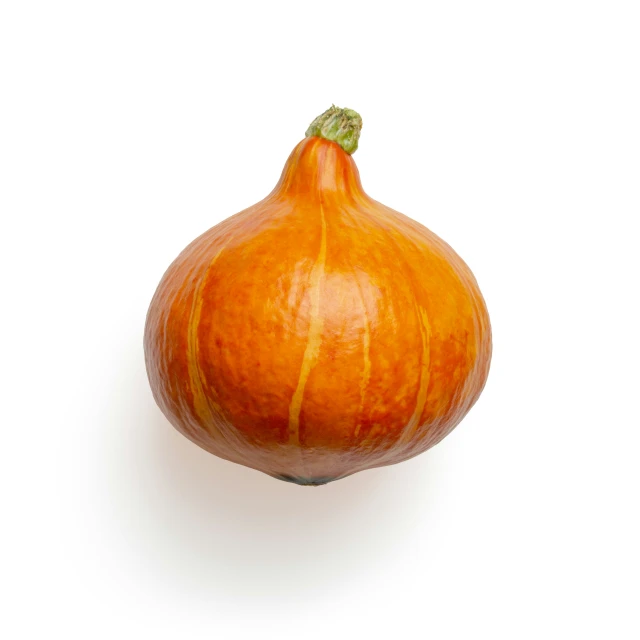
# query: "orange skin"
(317, 333)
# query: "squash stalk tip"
(338, 125)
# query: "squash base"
(309, 482)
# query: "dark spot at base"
(309, 482)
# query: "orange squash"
(317, 333)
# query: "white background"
(511, 129)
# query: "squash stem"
(339, 125)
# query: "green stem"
(339, 125)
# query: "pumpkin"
(317, 333)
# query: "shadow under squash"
(204, 526)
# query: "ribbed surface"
(317, 333)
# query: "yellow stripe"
(425, 334)
(200, 402)
(366, 371)
(423, 319)
(314, 337)
(172, 283)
